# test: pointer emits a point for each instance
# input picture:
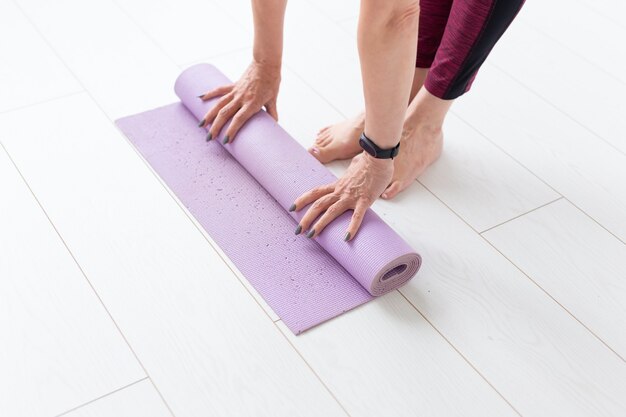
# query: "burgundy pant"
(455, 37)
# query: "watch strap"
(374, 150)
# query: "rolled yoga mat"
(240, 194)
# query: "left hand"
(364, 181)
(257, 87)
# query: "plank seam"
(529, 278)
(460, 354)
(101, 397)
(54, 226)
(522, 215)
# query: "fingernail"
(347, 238)
(209, 136)
(201, 123)
(225, 140)
(310, 234)
(315, 150)
(298, 229)
(293, 207)
(201, 95)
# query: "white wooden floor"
(113, 302)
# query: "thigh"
(472, 30)
(433, 18)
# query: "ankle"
(422, 130)
(430, 130)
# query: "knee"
(404, 16)
(397, 15)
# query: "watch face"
(367, 147)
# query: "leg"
(422, 140)
(473, 28)
(341, 141)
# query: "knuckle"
(238, 119)
(223, 113)
(223, 101)
(317, 205)
(317, 189)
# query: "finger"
(212, 114)
(331, 214)
(318, 207)
(219, 91)
(272, 110)
(223, 116)
(242, 116)
(311, 196)
(357, 219)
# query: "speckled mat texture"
(240, 194)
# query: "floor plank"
(325, 56)
(575, 85)
(30, 71)
(59, 346)
(137, 400)
(603, 47)
(574, 162)
(479, 182)
(190, 30)
(111, 57)
(543, 119)
(384, 359)
(577, 262)
(612, 9)
(532, 351)
(204, 341)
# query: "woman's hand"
(364, 181)
(257, 87)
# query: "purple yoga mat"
(240, 193)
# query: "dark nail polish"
(310, 234)
(209, 136)
(201, 123)
(293, 207)
(201, 95)
(347, 238)
(225, 140)
(298, 229)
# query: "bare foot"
(339, 141)
(419, 147)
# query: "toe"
(323, 130)
(321, 138)
(394, 188)
(321, 154)
(315, 151)
(326, 140)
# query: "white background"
(113, 302)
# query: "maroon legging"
(455, 37)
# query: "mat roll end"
(395, 274)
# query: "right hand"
(257, 87)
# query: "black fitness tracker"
(373, 149)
